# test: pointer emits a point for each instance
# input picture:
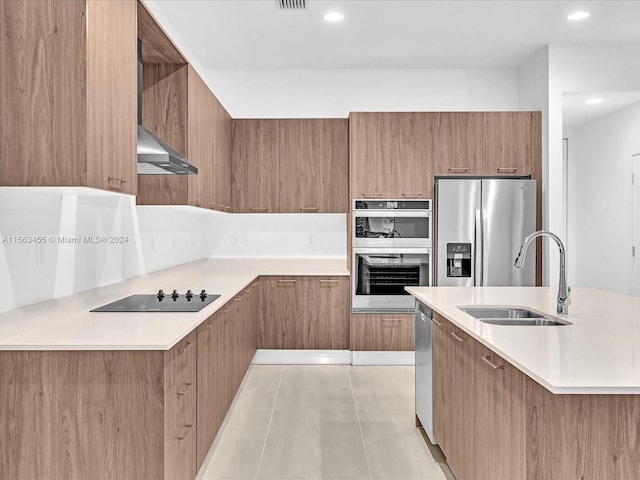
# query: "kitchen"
(276, 237)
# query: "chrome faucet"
(564, 292)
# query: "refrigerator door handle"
(485, 263)
(477, 251)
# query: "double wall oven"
(391, 250)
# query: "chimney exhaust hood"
(154, 156)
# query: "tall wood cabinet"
(69, 94)
(391, 155)
(290, 166)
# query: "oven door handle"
(392, 213)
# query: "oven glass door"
(380, 228)
(380, 275)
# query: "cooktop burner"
(160, 302)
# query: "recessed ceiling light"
(579, 15)
(334, 17)
(594, 101)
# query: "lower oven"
(379, 276)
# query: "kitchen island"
(139, 395)
(533, 402)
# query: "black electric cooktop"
(160, 302)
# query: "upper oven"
(391, 223)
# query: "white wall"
(335, 93)
(50, 239)
(574, 68)
(600, 200)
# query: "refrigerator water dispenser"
(458, 259)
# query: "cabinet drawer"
(179, 403)
(180, 363)
(382, 332)
(180, 451)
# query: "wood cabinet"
(290, 166)
(314, 165)
(499, 417)
(382, 332)
(457, 139)
(255, 170)
(391, 155)
(69, 85)
(441, 381)
(305, 313)
(507, 140)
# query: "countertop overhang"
(599, 353)
(67, 324)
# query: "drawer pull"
(328, 281)
(186, 390)
(309, 209)
(391, 320)
(226, 310)
(116, 179)
(488, 361)
(458, 338)
(458, 169)
(188, 432)
(411, 195)
(208, 325)
(371, 195)
(507, 169)
(184, 349)
(287, 281)
(436, 321)
(259, 209)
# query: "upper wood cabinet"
(391, 155)
(255, 169)
(290, 166)
(457, 139)
(69, 88)
(507, 143)
(314, 165)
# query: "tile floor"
(322, 421)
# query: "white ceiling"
(576, 112)
(387, 34)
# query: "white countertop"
(67, 324)
(598, 353)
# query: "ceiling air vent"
(292, 4)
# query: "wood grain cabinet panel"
(391, 155)
(507, 145)
(326, 315)
(69, 81)
(382, 332)
(314, 165)
(281, 326)
(457, 143)
(441, 381)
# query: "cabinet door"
(410, 136)
(284, 310)
(369, 150)
(222, 162)
(500, 418)
(460, 444)
(386, 332)
(457, 143)
(314, 165)
(507, 143)
(326, 314)
(255, 166)
(227, 357)
(441, 382)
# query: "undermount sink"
(511, 316)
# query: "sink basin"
(511, 316)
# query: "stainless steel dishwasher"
(424, 368)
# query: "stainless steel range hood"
(154, 156)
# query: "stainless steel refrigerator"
(480, 225)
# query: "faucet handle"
(568, 300)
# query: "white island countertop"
(599, 353)
(67, 324)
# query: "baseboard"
(331, 357)
(302, 357)
(384, 358)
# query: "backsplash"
(58, 241)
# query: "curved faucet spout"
(564, 292)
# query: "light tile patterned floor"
(322, 422)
